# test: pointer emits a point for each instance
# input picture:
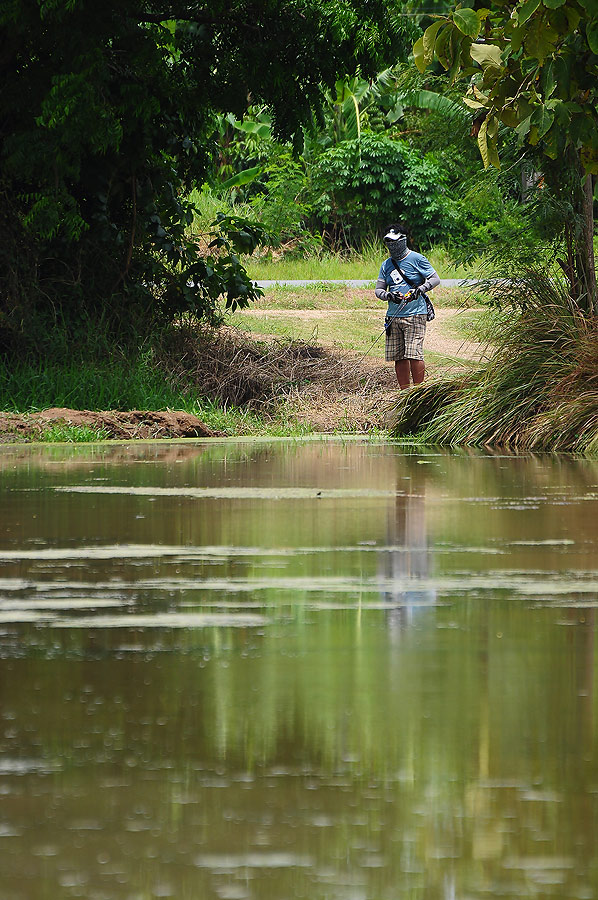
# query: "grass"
(83, 385)
(538, 390)
(341, 317)
(354, 333)
(339, 296)
(359, 266)
(74, 434)
(472, 325)
(122, 385)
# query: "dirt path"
(438, 337)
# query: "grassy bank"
(141, 384)
(299, 360)
(233, 383)
(538, 391)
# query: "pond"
(297, 669)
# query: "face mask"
(397, 248)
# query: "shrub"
(360, 185)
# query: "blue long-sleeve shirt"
(417, 268)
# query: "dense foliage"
(362, 184)
(108, 117)
(531, 66)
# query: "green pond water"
(320, 670)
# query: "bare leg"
(418, 369)
(402, 369)
(407, 369)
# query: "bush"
(360, 185)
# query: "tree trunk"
(586, 244)
(575, 187)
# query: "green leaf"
(517, 35)
(492, 128)
(553, 4)
(487, 55)
(562, 115)
(547, 80)
(261, 129)
(488, 147)
(244, 177)
(523, 128)
(542, 118)
(590, 6)
(442, 43)
(573, 17)
(419, 55)
(592, 35)
(467, 22)
(509, 116)
(527, 10)
(589, 159)
(429, 39)
(540, 40)
(473, 104)
(562, 76)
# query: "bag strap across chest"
(405, 278)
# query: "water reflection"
(406, 564)
(370, 676)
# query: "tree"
(532, 66)
(107, 117)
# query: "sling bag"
(430, 312)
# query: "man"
(404, 277)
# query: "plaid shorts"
(405, 338)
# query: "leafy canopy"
(109, 113)
(532, 65)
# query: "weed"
(73, 434)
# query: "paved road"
(444, 282)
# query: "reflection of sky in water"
(201, 694)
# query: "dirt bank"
(134, 425)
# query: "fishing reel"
(402, 299)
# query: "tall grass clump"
(537, 390)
